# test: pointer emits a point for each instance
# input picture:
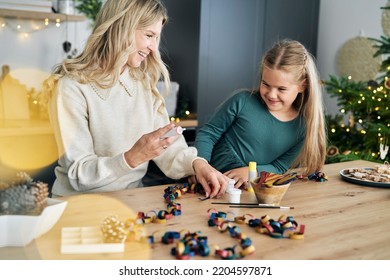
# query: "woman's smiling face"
(146, 41)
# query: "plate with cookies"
(378, 176)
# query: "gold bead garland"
(113, 230)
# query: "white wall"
(341, 20)
(40, 50)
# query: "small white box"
(86, 240)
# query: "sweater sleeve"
(176, 161)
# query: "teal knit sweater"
(243, 130)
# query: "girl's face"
(145, 43)
(279, 90)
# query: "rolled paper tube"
(177, 130)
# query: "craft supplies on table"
(234, 195)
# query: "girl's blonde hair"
(110, 44)
(292, 57)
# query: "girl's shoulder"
(245, 100)
(248, 96)
(242, 93)
(240, 96)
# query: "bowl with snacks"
(377, 176)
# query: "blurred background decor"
(362, 128)
(90, 8)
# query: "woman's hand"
(240, 175)
(213, 181)
(149, 146)
(192, 180)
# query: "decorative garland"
(190, 244)
(318, 176)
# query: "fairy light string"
(26, 27)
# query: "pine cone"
(22, 196)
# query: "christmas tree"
(362, 130)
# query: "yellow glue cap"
(252, 165)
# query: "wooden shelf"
(7, 13)
(187, 123)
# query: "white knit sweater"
(94, 127)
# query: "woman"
(109, 119)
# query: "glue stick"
(252, 174)
(177, 130)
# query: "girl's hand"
(149, 146)
(240, 175)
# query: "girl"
(109, 119)
(280, 125)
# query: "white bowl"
(20, 230)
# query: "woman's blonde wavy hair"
(110, 44)
(292, 57)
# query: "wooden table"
(343, 221)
